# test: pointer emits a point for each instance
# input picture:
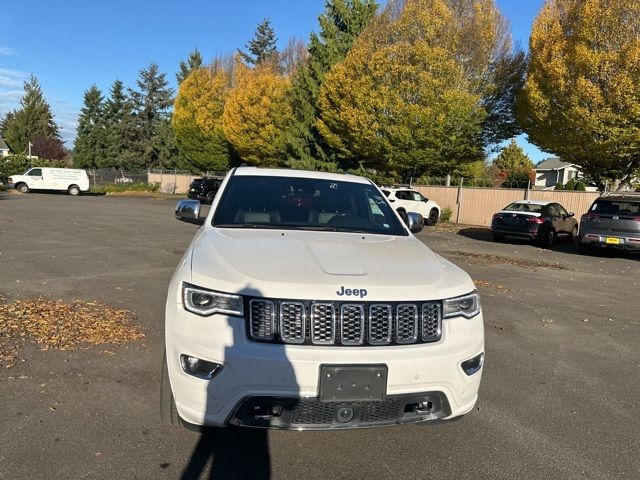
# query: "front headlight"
(467, 306)
(207, 302)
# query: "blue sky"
(71, 44)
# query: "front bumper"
(291, 372)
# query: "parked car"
(304, 302)
(70, 180)
(541, 222)
(204, 189)
(405, 200)
(612, 222)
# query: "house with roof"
(4, 149)
(552, 171)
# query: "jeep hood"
(317, 265)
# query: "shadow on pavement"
(562, 245)
(234, 453)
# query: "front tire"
(22, 188)
(73, 190)
(403, 215)
(210, 197)
(168, 411)
(434, 215)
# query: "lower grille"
(346, 324)
(310, 413)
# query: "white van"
(71, 180)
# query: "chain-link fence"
(108, 176)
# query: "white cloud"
(11, 78)
(4, 50)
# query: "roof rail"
(629, 193)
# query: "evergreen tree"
(120, 135)
(33, 119)
(151, 105)
(340, 24)
(193, 63)
(89, 145)
(262, 47)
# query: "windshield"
(305, 204)
(524, 207)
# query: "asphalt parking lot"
(560, 396)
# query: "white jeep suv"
(405, 199)
(304, 302)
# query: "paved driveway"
(559, 399)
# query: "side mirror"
(415, 222)
(189, 211)
(571, 214)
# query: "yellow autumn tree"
(256, 114)
(581, 99)
(415, 92)
(197, 119)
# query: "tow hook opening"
(199, 368)
(473, 365)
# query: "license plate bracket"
(352, 383)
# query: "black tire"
(168, 411)
(22, 188)
(73, 190)
(403, 215)
(434, 215)
(210, 197)
(498, 238)
(548, 239)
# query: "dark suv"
(204, 189)
(613, 221)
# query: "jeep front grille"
(346, 324)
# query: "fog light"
(474, 364)
(199, 368)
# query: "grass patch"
(126, 187)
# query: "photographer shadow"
(240, 452)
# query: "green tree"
(340, 24)
(581, 99)
(197, 120)
(511, 160)
(32, 119)
(402, 100)
(89, 146)
(152, 102)
(262, 47)
(120, 135)
(193, 63)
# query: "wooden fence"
(476, 206)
